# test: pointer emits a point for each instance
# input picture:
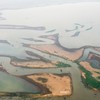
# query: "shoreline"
(45, 91)
(87, 86)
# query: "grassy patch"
(89, 81)
(61, 64)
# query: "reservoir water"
(22, 24)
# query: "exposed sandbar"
(54, 49)
(33, 64)
(57, 85)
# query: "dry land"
(57, 50)
(50, 49)
(57, 85)
(33, 64)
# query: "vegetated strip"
(61, 64)
(89, 81)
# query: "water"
(86, 53)
(72, 17)
(61, 18)
(18, 4)
(76, 79)
(10, 84)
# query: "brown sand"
(54, 49)
(33, 64)
(51, 49)
(83, 75)
(58, 85)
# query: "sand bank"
(57, 85)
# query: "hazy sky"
(8, 4)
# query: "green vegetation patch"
(89, 81)
(61, 64)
